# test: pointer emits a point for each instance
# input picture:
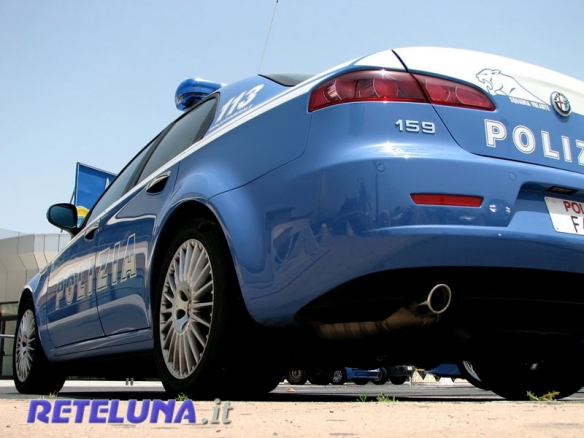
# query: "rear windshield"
(287, 79)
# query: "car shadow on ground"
(292, 394)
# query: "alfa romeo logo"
(561, 103)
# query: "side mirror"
(63, 216)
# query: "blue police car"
(418, 205)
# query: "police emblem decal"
(561, 104)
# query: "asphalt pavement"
(446, 390)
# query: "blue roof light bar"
(191, 91)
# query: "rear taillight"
(392, 86)
(367, 85)
(445, 92)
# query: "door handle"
(158, 183)
(89, 232)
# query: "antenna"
(268, 37)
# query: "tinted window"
(183, 133)
(118, 187)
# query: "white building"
(21, 257)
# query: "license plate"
(567, 216)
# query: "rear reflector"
(453, 200)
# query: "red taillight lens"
(445, 199)
(392, 86)
(367, 85)
(445, 92)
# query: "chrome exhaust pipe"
(437, 301)
(416, 314)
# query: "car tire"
(383, 377)
(296, 377)
(339, 377)
(361, 381)
(517, 379)
(33, 373)
(260, 383)
(199, 318)
(469, 374)
(398, 380)
(320, 377)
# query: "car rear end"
(434, 214)
(459, 168)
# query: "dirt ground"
(303, 419)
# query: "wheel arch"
(187, 209)
(26, 293)
(35, 290)
(24, 296)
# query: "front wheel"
(33, 373)
(198, 315)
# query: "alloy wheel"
(25, 341)
(186, 309)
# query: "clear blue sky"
(94, 80)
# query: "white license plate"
(567, 216)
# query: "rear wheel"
(259, 383)
(200, 323)
(520, 379)
(33, 373)
(469, 374)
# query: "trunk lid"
(539, 116)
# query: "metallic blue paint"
(310, 201)
(357, 373)
(72, 314)
(344, 210)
